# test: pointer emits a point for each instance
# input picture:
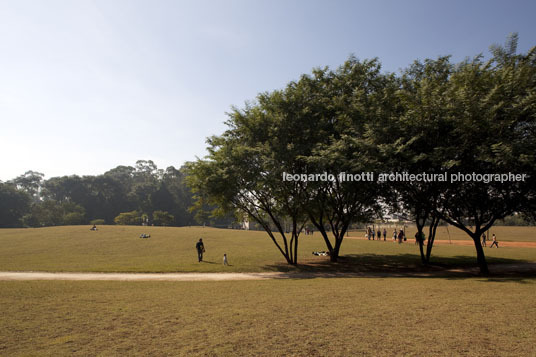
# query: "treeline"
(142, 194)
(435, 117)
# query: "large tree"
(492, 108)
(244, 171)
(343, 103)
(415, 141)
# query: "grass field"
(308, 317)
(456, 315)
(119, 249)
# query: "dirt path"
(31, 275)
(462, 242)
(524, 269)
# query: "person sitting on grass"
(94, 228)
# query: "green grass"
(119, 249)
(310, 317)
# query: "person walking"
(494, 243)
(200, 249)
(483, 239)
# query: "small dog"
(225, 262)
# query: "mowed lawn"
(170, 249)
(308, 317)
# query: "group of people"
(493, 240)
(200, 247)
(371, 234)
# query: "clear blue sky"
(86, 86)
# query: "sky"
(86, 86)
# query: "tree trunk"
(334, 257)
(431, 237)
(480, 257)
(296, 249)
(420, 227)
(334, 254)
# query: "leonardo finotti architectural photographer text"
(407, 177)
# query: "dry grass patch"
(315, 317)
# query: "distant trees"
(31, 201)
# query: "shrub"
(128, 218)
(73, 218)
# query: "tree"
(14, 204)
(492, 107)
(342, 104)
(414, 141)
(162, 218)
(29, 182)
(243, 173)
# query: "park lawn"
(308, 317)
(503, 233)
(171, 249)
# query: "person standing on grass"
(494, 243)
(483, 239)
(379, 234)
(400, 236)
(200, 249)
(384, 234)
(395, 235)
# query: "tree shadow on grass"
(405, 265)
